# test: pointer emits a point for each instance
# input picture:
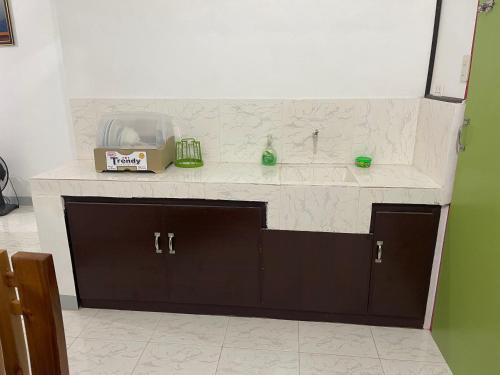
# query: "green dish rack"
(188, 153)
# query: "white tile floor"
(131, 342)
(18, 231)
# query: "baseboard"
(68, 302)
(23, 201)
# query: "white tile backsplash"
(245, 125)
(387, 132)
(198, 119)
(435, 143)
(236, 130)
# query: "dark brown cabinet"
(174, 252)
(216, 257)
(205, 256)
(403, 250)
(322, 272)
(113, 251)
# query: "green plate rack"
(188, 153)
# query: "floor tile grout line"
(146, 345)
(84, 326)
(376, 348)
(298, 345)
(375, 342)
(139, 358)
(222, 344)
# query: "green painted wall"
(467, 317)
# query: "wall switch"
(464, 76)
(437, 90)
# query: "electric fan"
(5, 205)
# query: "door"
(114, 253)
(403, 250)
(310, 271)
(466, 323)
(216, 258)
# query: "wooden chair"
(39, 307)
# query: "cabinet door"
(114, 255)
(323, 272)
(216, 258)
(402, 261)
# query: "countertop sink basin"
(316, 174)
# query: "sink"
(316, 174)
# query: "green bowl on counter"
(363, 161)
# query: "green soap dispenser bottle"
(269, 155)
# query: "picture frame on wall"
(6, 32)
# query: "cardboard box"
(128, 159)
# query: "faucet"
(315, 136)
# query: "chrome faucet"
(315, 137)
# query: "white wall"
(456, 33)
(33, 116)
(246, 48)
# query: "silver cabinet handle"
(157, 243)
(171, 249)
(460, 145)
(379, 251)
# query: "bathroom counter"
(382, 176)
(313, 197)
(317, 198)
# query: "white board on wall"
(246, 48)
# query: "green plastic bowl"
(363, 161)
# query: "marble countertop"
(378, 176)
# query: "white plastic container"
(134, 130)
(134, 141)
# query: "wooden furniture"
(34, 278)
(203, 256)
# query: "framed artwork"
(6, 33)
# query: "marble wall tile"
(387, 132)
(196, 119)
(178, 190)
(236, 130)
(436, 137)
(368, 196)
(45, 187)
(245, 125)
(335, 121)
(319, 208)
(249, 192)
(241, 173)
